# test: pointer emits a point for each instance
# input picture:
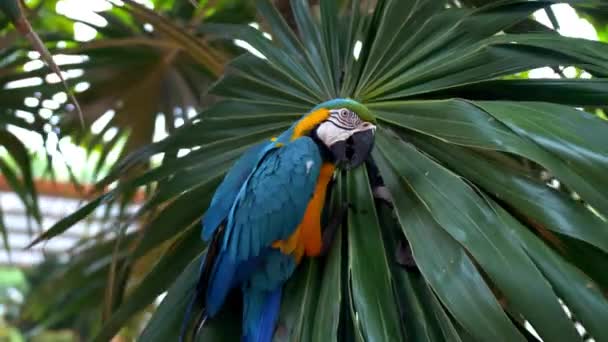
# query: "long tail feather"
(261, 313)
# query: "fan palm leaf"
(141, 64)
(464, 152)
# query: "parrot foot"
(404, 256)
(379, 190)
(381, 193)
(280, 333)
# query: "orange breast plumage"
(306, 239)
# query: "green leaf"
(496, 56)
(574, 136)
(167, 319)
(278, 59)
(370, 277)
(470, 221)
(443, 262)
(20, 155)
(591, 55)
(204, 166)
(193, 46)
(355, 30)
(430, 39)
(587, 259)
(71, 220)
(551, 208)
(271, 87)
(326, 319)
(214, 137)
(180, 254)
(166, 322)
(327, 314)
(88, 295)
(451, 330)
(282, 33)
(392, 28)
(52, 298)
(578, 291)
(462, 123)
(311, 39)
(483, 274)
(331, 39)
(574, 92)
(174, 218)
(422, 314)
(299, 301)
(14, 10)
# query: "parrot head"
(346, 129)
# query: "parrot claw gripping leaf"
(404, 256)
(379, 191)
(266, 214)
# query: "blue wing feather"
(262, 296)
(261, 313)
(271, 203)
(226, 192)
(268, 207)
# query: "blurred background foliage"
(137, 69)
(140, 70)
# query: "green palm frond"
(465, 151)
(143, 63)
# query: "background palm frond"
(465, 149)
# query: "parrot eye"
(344, 118)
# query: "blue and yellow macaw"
(266, 214)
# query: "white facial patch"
(330, 134)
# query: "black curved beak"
(355, 150)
